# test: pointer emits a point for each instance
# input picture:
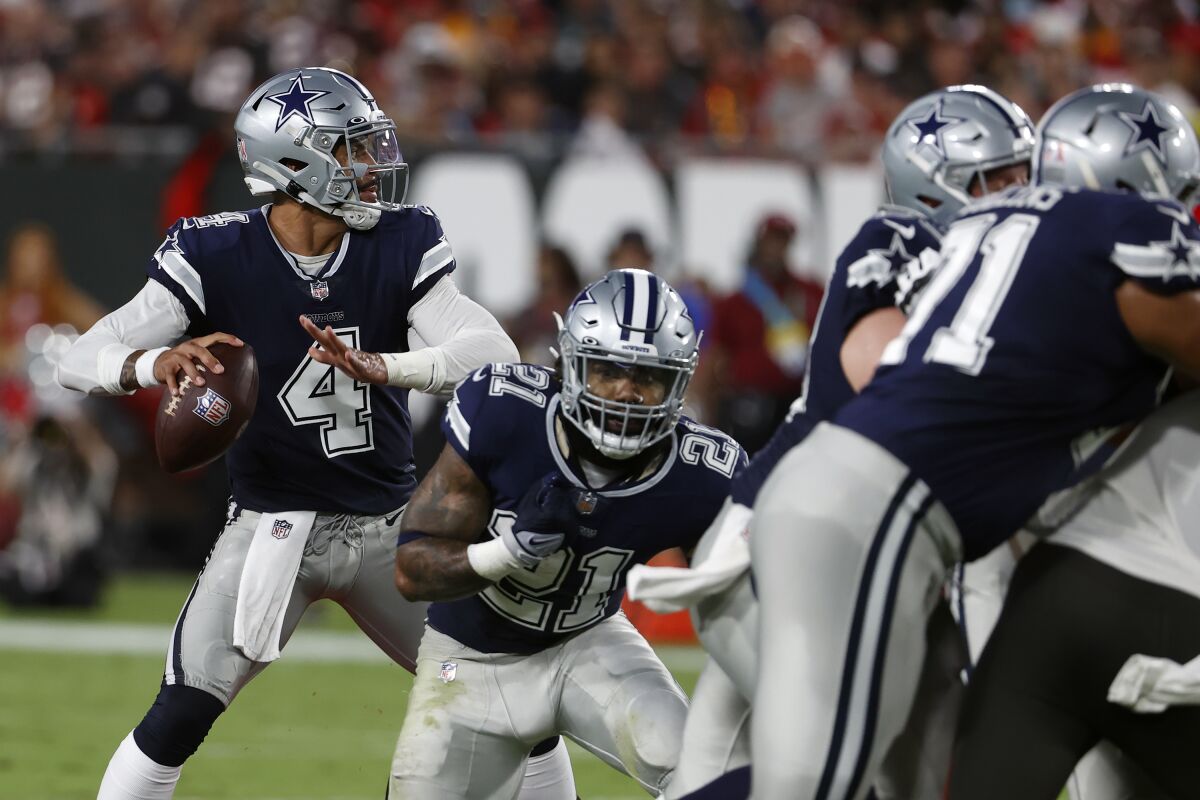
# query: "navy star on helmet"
(295, 101)
(1147, 131)
(944, 142)
(1119, 137)
(633, 318)
(929, 130)
(318, 135)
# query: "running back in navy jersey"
(503, 423)
(881, 268)
(1015, 358)
(319, 440)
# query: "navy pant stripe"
(852, 646)
(881, 652)
(177, 638)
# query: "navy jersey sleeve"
(429, 254)
(883, 266)
(174, 265)
(1156, 244)
(475, 423)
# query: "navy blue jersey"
(1015, 359)
(880, 268)
(319, 440)
(503, 421)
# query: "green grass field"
(301, 730)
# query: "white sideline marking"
(56, 636)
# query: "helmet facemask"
(370, 164)
(621, 430)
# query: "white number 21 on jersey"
(318, 394)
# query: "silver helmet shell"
(289, 129)
(632, 318)
(1115, 136)
(941, 143)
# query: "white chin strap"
(358, 217)
(609, 443)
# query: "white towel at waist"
(267, 580)
(668, 589)
(1149, 685)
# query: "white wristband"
(144, 367)
(492, 559)
(413, 370)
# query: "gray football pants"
(716, 738)
(349, 559)
(472, 717)
(850, 552)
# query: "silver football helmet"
(292, 129)
(944, 141)
(629, 320)
(1117, 136)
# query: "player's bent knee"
(658, 734)
(176, 724)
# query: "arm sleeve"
(172, 266)
(459, 336)
(154, 317)
(475, 423)
(1157, 244)
(432, 260)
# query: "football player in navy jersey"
(1053, 317)
(1120, 580)
(549, 489)
(941, 151)
(321, 473)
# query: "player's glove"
(549, 517)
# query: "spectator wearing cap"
(759, 337)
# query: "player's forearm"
(116, 355)
(433, 569)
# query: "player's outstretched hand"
(329, 349)
(191, 358)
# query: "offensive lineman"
(544, 496)
(934, 164)
(322, 472)
(1119, 578)
(1036, 332)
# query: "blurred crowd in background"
(804, 80)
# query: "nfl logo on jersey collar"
(319, 289)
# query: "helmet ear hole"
(294, 164)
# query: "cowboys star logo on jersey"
(295, 102)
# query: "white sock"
(132, 775)
(549, 777)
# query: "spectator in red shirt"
(759, 338)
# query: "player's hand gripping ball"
(197, 425)
(549, 517)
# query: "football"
(199, 424)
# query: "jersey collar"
(621, 490)
(331, 266)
